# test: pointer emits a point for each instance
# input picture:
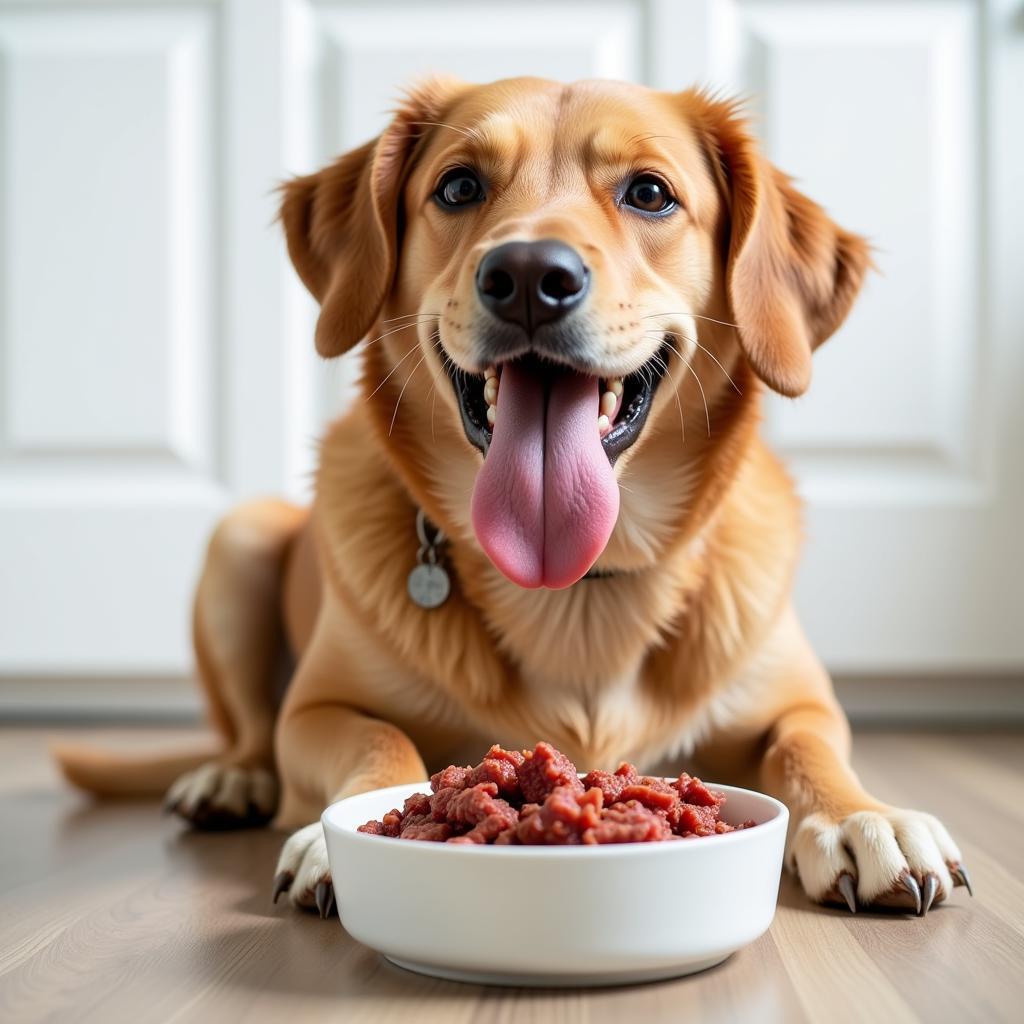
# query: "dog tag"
(428, 585)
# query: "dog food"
(536, 797)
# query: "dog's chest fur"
(608, 668)
(580, 655)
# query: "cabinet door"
(112, 453)
(903, 119)
(145, 372)
(156, 359)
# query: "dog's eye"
(649, 195)
(459, 187)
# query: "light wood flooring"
(110, 913)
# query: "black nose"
(532, 283)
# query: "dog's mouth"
(546, 499)
(623, 402)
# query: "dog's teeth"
(603, 425)
(491, 391)
(608, 403)
(615, 387)
(491, 371)
(491, 414)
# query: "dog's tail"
(108, 773)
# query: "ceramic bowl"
(542, 915)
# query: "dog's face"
(569, 262)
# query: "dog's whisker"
(675, 391)
(412, 373)
(433, 408)
(707, 414)
(391, 372)
(696, 377)
(711, 355)
(686, 364)
(408, 316)
(445, 360)
(708, 352)
(387, 334)
(696, 316)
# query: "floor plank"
(109, 912)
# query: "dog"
(550, 514)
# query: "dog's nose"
(532, 283)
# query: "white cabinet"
(156, 358)
(904, 120)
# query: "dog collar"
(601, 574)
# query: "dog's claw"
(959, 873)
(845, 886)
(909, 883)
(324, 899)
(282, 883)
(931, 887)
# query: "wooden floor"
(111, 913)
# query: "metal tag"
(428, 585)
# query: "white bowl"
(566, 915)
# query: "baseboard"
(948, 701)
(170, 699)
(878, 701)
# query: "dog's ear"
(342, 223)
(791, 272)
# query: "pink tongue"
(546, 500)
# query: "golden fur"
(691, 646)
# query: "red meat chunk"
(612, 784)
(629, 822)
(693, 791)
(452, 777)
(562, 818)
(543, 770)
(424, 828)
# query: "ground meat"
(418, 803)
(563, 818)
(423, 827)
(372, 828)
(628, 822)
(693, 791)
(543, 769)
(659, 797)
(612, 784)
(474, 805)
(498, 766)
(536, 797)
(451, 777)
(693, 820)
(502, 768)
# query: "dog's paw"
(219, 796)
(883, 858)
(304, 873)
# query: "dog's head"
(571, 266)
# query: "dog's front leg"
(327, 751)
(845, 845)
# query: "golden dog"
(574, 294)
